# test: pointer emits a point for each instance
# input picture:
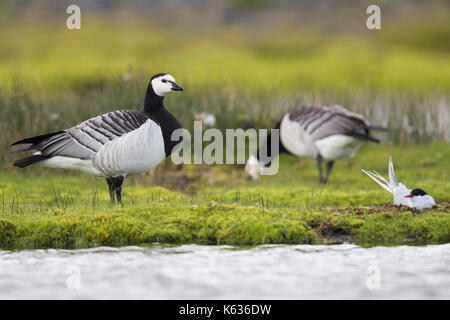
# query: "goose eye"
(164, 80)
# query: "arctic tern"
(416, 198)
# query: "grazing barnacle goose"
(416, 198)
(325, 133)
(114, 144)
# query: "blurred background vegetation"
(247, 62)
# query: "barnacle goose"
(114, 144)
(325, 133)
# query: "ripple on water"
(226, 272)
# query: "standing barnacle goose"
(325, 133)
(114, 144)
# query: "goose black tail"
(22, 163)
(37, 139)
(364, 136)
(376, 128)
(370, 138)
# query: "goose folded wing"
(323, 121)
(85, 140)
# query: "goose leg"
(111, 190)
(319, 165)
(117, 183)
(329, 167)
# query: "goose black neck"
(265, 152)
(152, 101)
(154, 108)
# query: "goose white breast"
(138, 151)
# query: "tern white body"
(422, 202)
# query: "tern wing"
(392, 180)
(375, 176)
(379, 176)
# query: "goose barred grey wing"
(323, 121)
(83, 141)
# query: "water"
(222, 272)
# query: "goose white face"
(253, 168)
(165, 84)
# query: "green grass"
(217, 205)
(47, 55)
